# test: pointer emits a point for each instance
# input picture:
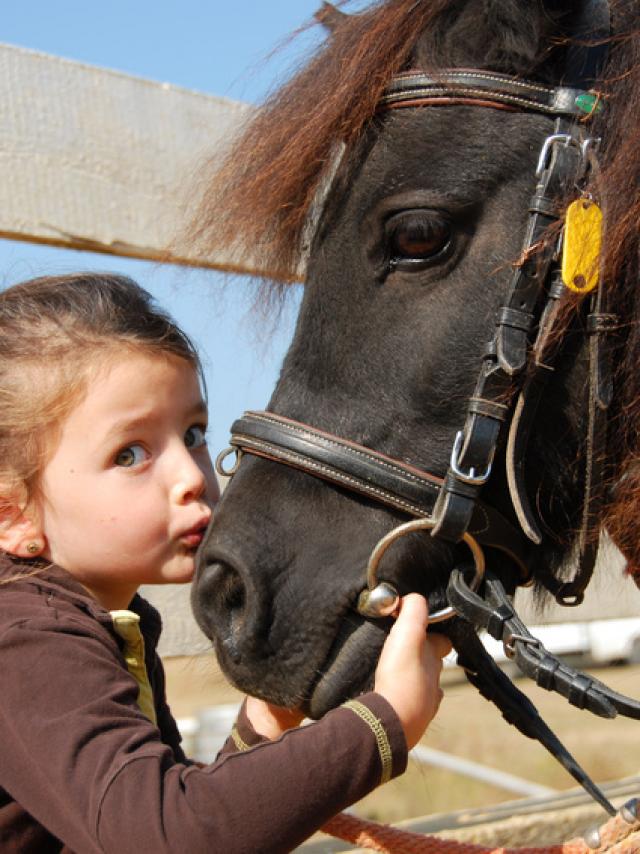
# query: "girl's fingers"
(412, 621)
(413, 613)
(409, 667)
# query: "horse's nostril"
(220, 603)
(222, 587)
(231, 591)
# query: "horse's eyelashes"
(417, 238)
(420, 239)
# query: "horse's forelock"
(259, 199)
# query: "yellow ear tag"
(581, 246)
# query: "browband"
(490, 87)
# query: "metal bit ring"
(381, 599)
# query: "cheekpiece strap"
(507, 356)
(490, 87)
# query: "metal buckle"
(555, 138)
(470, 476)
(509, 643)
(585, 145)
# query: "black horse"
(448, 369)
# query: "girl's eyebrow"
(124, 425)
(198, 409)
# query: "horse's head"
(419, 288)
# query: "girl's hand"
(271, 721)
(409, 668)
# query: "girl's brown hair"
(53, 331)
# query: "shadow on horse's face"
(386, 352)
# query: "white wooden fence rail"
(95, 159)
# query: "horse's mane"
(619, 187)
(258, 200)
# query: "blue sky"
(215, 46)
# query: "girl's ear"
(20, 530)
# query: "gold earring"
(33, 547)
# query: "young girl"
(106, 484)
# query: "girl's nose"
(189, 480)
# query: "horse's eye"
(417, 238)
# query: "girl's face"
(127, 494)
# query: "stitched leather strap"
(367, 472)
(487, 86)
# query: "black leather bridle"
(501, 396)
(525, 345)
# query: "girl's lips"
(194, 536)
(192, 541)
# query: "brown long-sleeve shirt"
(83, 770)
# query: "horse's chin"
(350, 666)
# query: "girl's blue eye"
(130, 456)
(195, 436)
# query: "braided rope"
(617, 836)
